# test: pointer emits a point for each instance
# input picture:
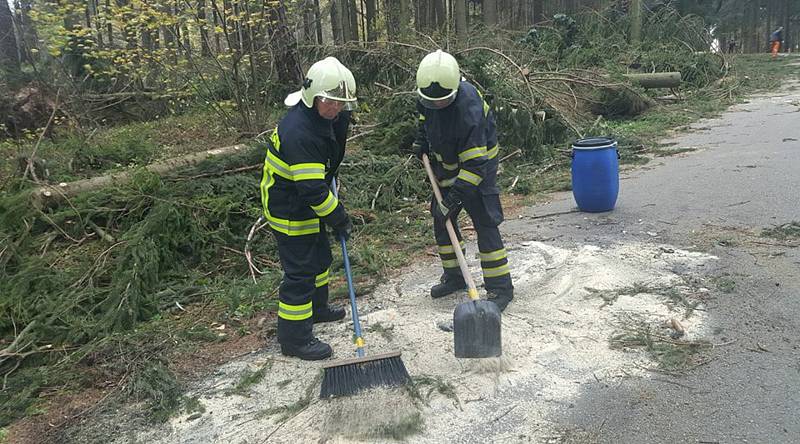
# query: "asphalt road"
(742, 177)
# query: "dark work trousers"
(486, 214)
(306, 262)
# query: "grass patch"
(248, 379)
(790, 230)
(422, 389)
(289, 410)
(725, 284)
(669, 354)
(674, 296)
(386, 332)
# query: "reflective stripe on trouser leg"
(494, 258)
(493, 255)
(445, 247)
(300, 260)
(323, 262)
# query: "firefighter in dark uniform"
(457, 131)
(303, 155)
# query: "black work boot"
(328, 314)
(501, 297)
(314, 350)
(448, 285)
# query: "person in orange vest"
(775, 41)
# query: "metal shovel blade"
(476, 330)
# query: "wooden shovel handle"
(462, 262)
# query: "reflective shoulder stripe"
(307, 171)
(493, 255)
(421, 118)
(470, 177)
(276, 140)
(496, 271)
(327, 206)
(293, 227)
(294, 312)
(472, 153)
(492, 152)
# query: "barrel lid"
(593, 143)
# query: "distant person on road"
(457, 131)
(303, 156)
(775, 41)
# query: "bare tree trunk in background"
(490, 12)
(284, 48)
(371, 16)
(216, 20)
(9, 54)
(336, 22)
(636, 21)
(318, 22)
(396, 12)
(752, 27)
(570, 7)
(440, 13)
(787, 26)
(538, 11)
(461, 17)
(353, 19)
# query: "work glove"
(419, 150)
(449, 206)
(343, 228)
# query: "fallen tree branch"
(54, 194)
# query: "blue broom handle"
(349, 274)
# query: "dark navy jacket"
(462, 141)
(303, 155)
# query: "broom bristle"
(355, 375)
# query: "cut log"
(54, 194)
(656, 79)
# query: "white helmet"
(438, 77)
(328, 79)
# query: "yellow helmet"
(329, 79)
(438, 77)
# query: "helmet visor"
(437, 102)
(340, 94)
(347, 105)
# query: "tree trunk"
(656, 79)
(318, 22)
(538, 11)
(636, 21)
(52, 195)
(9, 59)
(461, 17)
(396, 17)
(336, 22)
(284, 48)
(490, 12)
(372, 34)
(352, 15)
(439, 13)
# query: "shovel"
(476, 322)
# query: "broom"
(350, 376)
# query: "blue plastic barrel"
(595, 174)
